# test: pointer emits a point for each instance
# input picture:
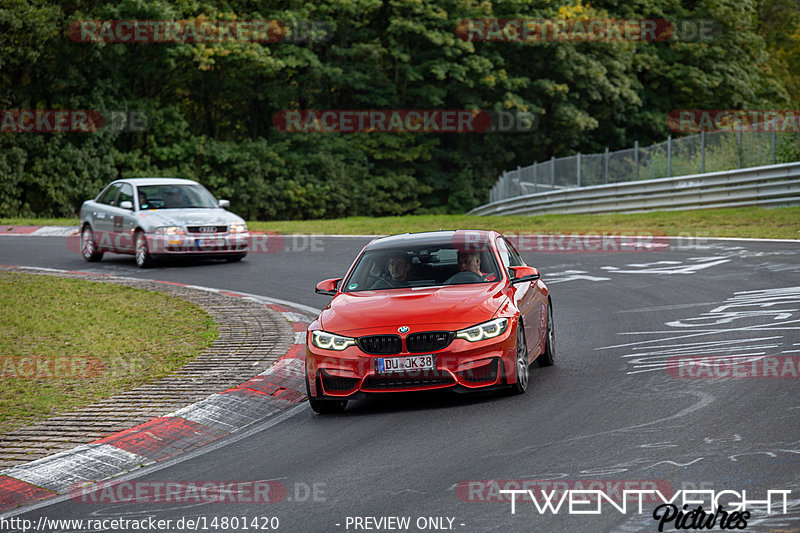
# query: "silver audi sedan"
(155, 218)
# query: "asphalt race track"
(616, 407)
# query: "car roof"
(427, 238)
(157, 181)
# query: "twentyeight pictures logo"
(671, 509)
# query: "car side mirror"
(521, 274)
(126, 204)
(328, 286)
(224, 204)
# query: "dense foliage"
(211, 104)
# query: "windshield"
(174, 197)
(421, 267)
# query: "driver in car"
(399, 266)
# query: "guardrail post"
(702, 151)
(552, 171)
(739, 145)
(605, 165)
(774, 140)
(535, 185)
(669, 155)
(636, 157)
(579, 169)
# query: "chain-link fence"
(694, 154)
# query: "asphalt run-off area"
(637, 401)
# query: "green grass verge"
(88, 341)
(752, 222)
(38, 222)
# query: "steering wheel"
(464, 277)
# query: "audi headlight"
(487, 330)
(169, 230)
(329, 341)
(238, 228)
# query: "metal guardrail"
(715, 151)
(773, 185)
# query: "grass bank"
(68, 342)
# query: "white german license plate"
(207, 243)
(409, 363)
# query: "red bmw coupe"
(446, 309)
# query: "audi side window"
(110, 194)
(125, 194)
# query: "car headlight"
(238, 228)
(170, 230)
(487, 330)
(329, 341)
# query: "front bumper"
(462, 365)
(197, 244)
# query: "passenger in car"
(471, 262)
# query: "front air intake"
(380, 344)
(428, 341)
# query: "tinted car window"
(110, 195)
(175, 196)
(426, 267)
(125, 194)
(505, 256)
(513, 256)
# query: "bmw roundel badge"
(403, 329)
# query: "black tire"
(521, 365)
(89, 246)
(324, 407)
(235, 258)
(548, 356)
(141, 251)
